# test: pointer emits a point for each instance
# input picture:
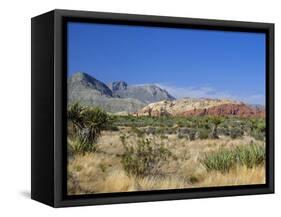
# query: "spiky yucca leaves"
(223, 160)
(251, 155)
(88, 124)
(74, 115)
(94, 121)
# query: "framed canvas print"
(133, 108)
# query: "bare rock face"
(241, 110)
(200, 107)
(81, 81)
(147, 93)
(87, 90)
(118, 86)
(177, 107)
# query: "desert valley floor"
(103, 171)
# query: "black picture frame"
(48, 69)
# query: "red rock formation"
(240, 110)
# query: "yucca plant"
(94, 121)
(74, 115)
(216, 121)
(87, 123)
(223, 160)
(251, 155)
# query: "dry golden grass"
(102, 171)
(238, 176)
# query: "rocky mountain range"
(115, 97)
(147, 93)
(150, 100)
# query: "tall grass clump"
(144, 159)
(223, 160)
(251, 155)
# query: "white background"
(15, 106)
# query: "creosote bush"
(203, 133)
(223, 160)
(145, 158)
(236, 132)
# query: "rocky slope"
(200, 107)
(241, 110)
(87, 90)
(150, 100)
(117, 97)
(83, 85)
(147, 93)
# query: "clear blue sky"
(194, 63)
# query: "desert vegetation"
(117, 153)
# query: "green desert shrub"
(181, 136)
(150, 130)
(258, 128)
(223, 160)
(144, 159)
(165, 130)
(258, 135)
(203, 133)
(224, 131)
(188, 133)
(160, 130)
(183, 133)
(180, 123)
(192, 134)
(111, 123)
(137, 131)
(236, 132)
(170, 130)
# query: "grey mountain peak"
(115, 97)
